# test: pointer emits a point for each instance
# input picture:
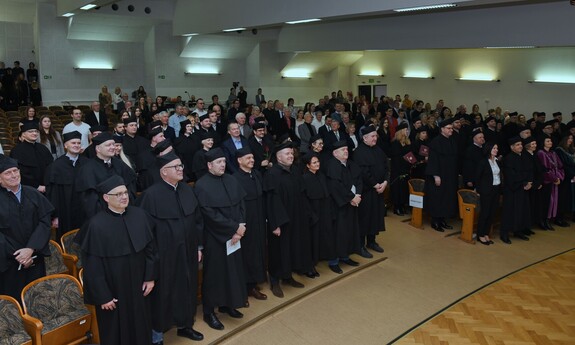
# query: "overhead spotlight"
(148, 10)
(255, 31)
(115, 7)
(131, 8)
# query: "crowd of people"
(257, 193)
(19, 87)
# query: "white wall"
(17, 43)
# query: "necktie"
(337, 135)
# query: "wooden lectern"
(415, 194)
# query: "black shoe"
(437, 227)
(349, 262)
(231, 312)
(212, 320)
(336, 269)
(561, 223)
(277, 290)
(543, 226)
(399, 212)
(523, 237)
(548, 224)
(293, 283)
(364, 253)
(529, 232)
(310, 274)
(315, 272)
(445, 225)
(190, 333)
(375, 247)
(484, 242)
(505, 240)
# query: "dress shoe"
(523, 237)
(350, 262)
(190, 333)
(255, 293)
(561, 223)
(398, 212)
(445, 225)
(231, 312)
(277, 290)
(484, 242)
(530, 232)
(212, 320)
(335, 269)
(374, 246)
(315, 272)
(364, 253)
(491, 242)
(437, 227)
(293, 283)
(310, 274)
(505, 240)
(543, 226)
(548, 224)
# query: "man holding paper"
(221, 200)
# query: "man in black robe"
(514, 218)
(442, 178)
(119, 261)
(345, 186)
(289, 244)
(375, 175)
(60, 185)
(24, 230)
(254, 241)
(133, 142)
(178, 227)
(473, 154)
(146, 169)
(221, 201)
(33, 158)
(100, 168)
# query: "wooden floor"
(425, 272)
(533, 306)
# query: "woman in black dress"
(488, 181)
(400, 169)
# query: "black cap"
(7, 163)
(107, 185)
(457, 117)
(98, 129)
(184, 123)
(244, 151)
(103, 137)
(203, 117)
(214, 154)
(550, 123)
(26, 126)
(339, 144)
(514, 113)
(315, 138)
(118, 139)
(367, 129)
(260, 119)
(475, 131)
(528, 140)
(71, 135)
(448, 121)
(258, 125)
(282, 146)
(422, 129)
(401, 126)
(490, 118)
(207, 135)
(161, 161)
(284, 138)
(308, 157)
(514, 140)
(557, 113)
(130, 120)
(155, 131)
(541, 113)
(161, 146)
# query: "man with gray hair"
(96, 116)
(176, 118)
(245, 129)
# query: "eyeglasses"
(120, 194)
(177, 166)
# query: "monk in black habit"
(24, 230)
(221, 200)
(178, 228)
(120, 261)
(289, 219)
(60, 185)
(375, 175)
(516, 186)
(97, 170)
(146, 168)
(33, 158)
(441, 178)
(133, 142)
(199, 165)
(345, 186)
(254, 241)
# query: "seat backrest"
(469, 196)
(55, 300)
(416, 185)
(71, 247)
(55, 262)
(12, 329)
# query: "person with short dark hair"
(487, 184)
(33, 158)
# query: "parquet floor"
(533, 306)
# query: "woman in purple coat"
(552, 176)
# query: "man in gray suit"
(306, 130)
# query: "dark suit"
(229, 149)
(92, 121)
(305, 136)
(261, 151)
(489, 196)
(170, 133)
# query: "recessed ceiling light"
(67, 14)
(88, 7)
(423, 8)
(304, 21)
(511, 47)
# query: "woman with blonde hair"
(105, 98)
(402, 160)
(50, 138)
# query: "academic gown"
(254, 240)
(317, 193)
(61, 191)
(222, 205)
(177, 232)
(261, 151)
(186, 147)
(199, 165)
(147, 170)
(418, 171)
(94, 172)
(340, 179)
(118, 254)
(133, 146)
(24, 224)
(473, 154)
(33, 159)
(534, 170)
(565, 202)
(441, 202)
(515, 202)
(400, 171)
(288, 209)
(374, 170)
